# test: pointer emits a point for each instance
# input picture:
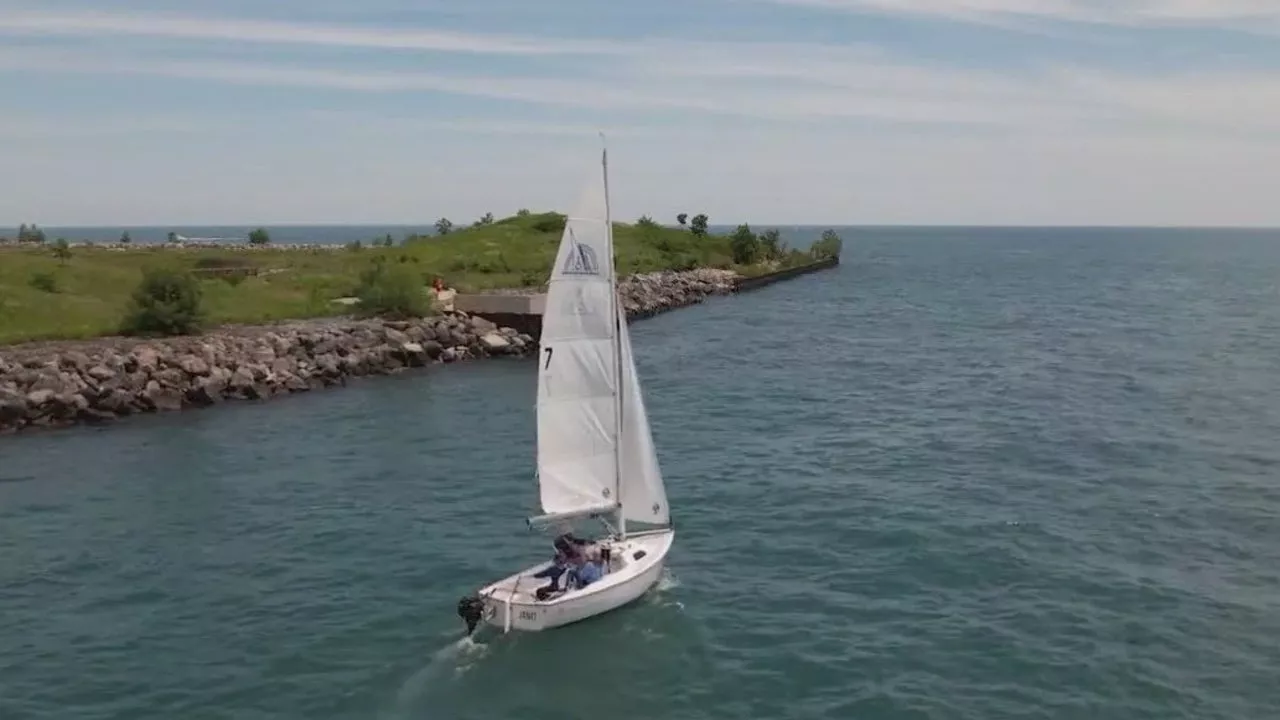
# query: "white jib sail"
(644, 497)
(577, 420)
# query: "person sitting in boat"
(559, 565)
(585, 571)
(569, 544)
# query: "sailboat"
(595, 455)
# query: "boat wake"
(660, 595)
(458, 656)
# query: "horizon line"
(869, 226)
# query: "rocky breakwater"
(649, 294)
(55, 384)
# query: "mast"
(617, 347)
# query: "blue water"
(967, 475)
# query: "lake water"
(968, 475)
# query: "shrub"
(393, 290)
(44, 282)
(646, 222)
(771, 245)
(259, 237)
(550, 223)
(744, 245)
(486, 219)
(523, 212)
(828, 247)
(166, 302)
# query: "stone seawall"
(754, 283)
(56, 384)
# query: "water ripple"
(1007, 477)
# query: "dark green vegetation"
(74, 292)
(166, 302)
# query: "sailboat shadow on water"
(596, 458)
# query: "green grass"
(93, 286)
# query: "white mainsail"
(577, 367)
(595, 451)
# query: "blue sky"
(1083, 112)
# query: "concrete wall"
(755, 283)
(481, 304)
(524, 312)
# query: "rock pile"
(56, 384)
(652, 293)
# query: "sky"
(966, 112)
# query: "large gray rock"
(495, 343)
(105, 379)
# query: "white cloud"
(786, 132)
(769, 82)
(286, 33)
(31, 126)
(1249, 15)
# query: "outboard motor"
(471, 610)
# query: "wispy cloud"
(1250, 15)
(763, 81)
(730, 86)
(287, 33)
(898, 125)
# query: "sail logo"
(581, 259)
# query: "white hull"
(510, 603)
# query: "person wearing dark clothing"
(557, 568)
(568, 547)
(569, 544)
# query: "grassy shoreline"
(49, 292)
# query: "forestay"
(577, 419)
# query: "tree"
(682, 218)
(646, 222)
(523, 212)
(125, 239)
(259, 237)
(485, 219)
(828, 247)
(30, 234)
(771, 244)
(444, 226)
(62, 250)
(388, 241)
(698, 225)
(166, 302)
(173, 237)
(744, 245)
